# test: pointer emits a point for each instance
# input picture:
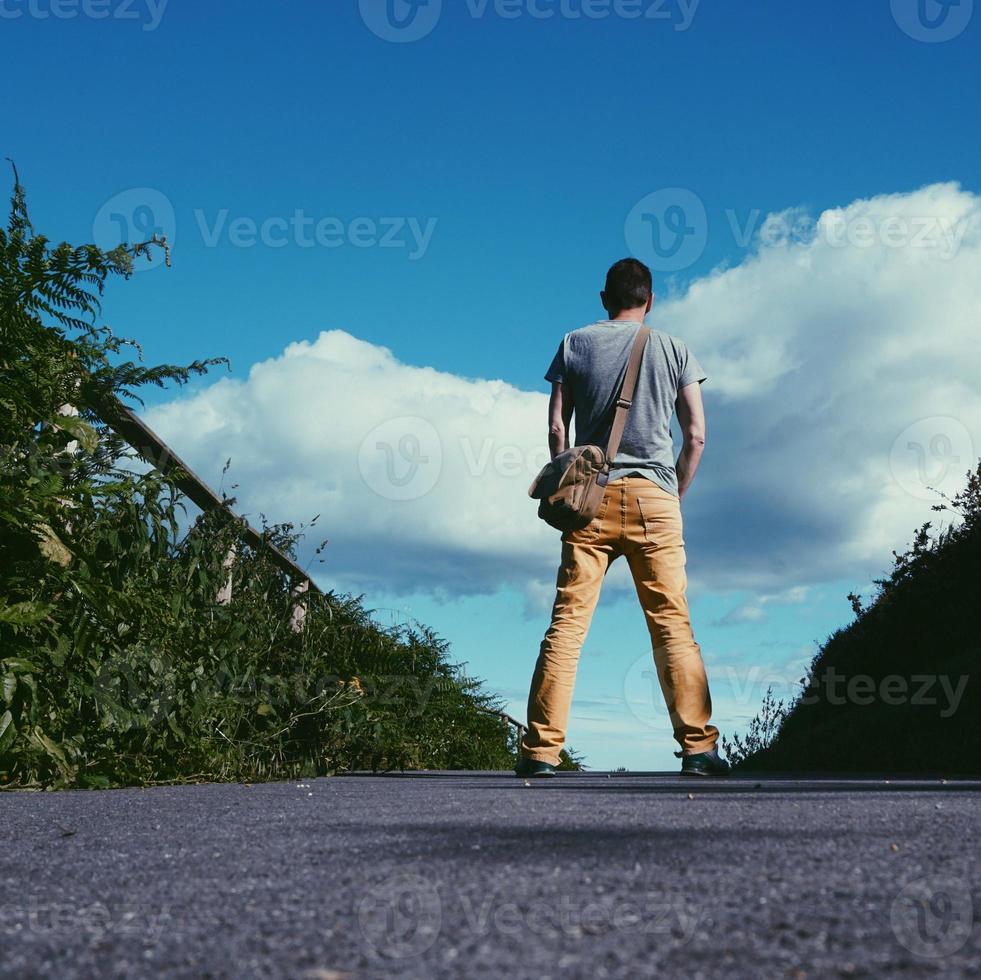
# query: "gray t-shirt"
(593, 361)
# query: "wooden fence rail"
(157, 453)
(509, 721)
(130, 427)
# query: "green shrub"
(117, 665)
(914, 650)
(760, 734)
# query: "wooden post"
(298, 614)
(69, 411)
(71, 448)
(224, 597)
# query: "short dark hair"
(629, 284)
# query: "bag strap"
(626, 397)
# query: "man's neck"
(630, 316)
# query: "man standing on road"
(640, 518)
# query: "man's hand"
(559, 417)
(691, 417)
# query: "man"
(640, 518)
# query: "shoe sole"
(690, 772)
(535, 775)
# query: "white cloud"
(421, 476)
(843, 378)
(842, 381)
(753, 610)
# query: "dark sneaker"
(704, 764)
(533, 769)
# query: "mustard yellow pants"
(640, 520)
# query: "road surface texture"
(485, 875)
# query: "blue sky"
(470, 188)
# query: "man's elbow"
(556, 431)
(695, 437)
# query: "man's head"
(629, 289)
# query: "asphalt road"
(483, 875)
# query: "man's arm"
(560, 408)
(691, 416)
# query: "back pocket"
(660, 516)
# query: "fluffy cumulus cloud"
(420, 476)
(843, 363)
(844, 366)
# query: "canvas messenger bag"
(570, 488)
